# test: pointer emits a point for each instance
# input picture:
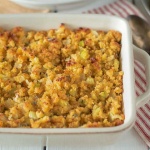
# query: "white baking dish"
(94, 136)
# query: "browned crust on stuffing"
(60, 78)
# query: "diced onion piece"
(32, 115)
(112, 117)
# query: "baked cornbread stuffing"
(60, 78)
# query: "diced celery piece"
(81, 102)
(84, 54)
(37, 85)
(116, 64)
(32, 115)
(63, 103)
(103, 95)
(81, 43)
(90, 80)
(3, 77)
(73, 92)
(94, 96)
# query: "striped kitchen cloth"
(123, 8)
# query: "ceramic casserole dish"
(95, 136)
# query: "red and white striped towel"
(123, 8)
(142, 124)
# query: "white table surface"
(129, 141)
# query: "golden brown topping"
(60, 78)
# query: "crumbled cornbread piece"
(60, 78)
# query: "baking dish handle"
(144, 58)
